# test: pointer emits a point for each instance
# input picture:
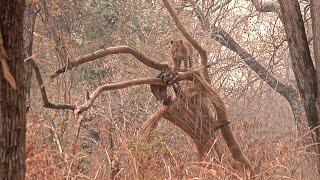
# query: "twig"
(56, 139)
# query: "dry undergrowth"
(170, 153)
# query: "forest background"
(247, 47)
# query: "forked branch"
(46, 102)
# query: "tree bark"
(30, 14)
(315, 17)
(302, 65)
(12, 102)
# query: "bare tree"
(224, 38)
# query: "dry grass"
(169, 155)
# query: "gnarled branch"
(156, 81)
(107, 51)
(93, 96)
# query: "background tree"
(303, 67)
(12, 91)
(221, 35)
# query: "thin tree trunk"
(12, 101)
(302, 65)
(30, 14)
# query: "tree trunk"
(12, 101)
(315, 16)
(302, 65)
(30, 14)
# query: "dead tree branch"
(108, 51)
(121, 85)
(44, 96)
(107, 87)
(94, 95)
